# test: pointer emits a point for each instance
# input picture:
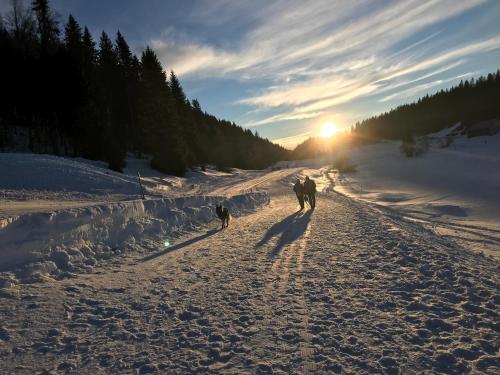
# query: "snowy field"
(108, 283)
(455, 191)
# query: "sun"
(328, 129)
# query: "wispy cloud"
(297, 35)
(312, 57)
(367, 82)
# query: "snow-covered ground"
(69, 215)
(76, 239)
(124, 285)
(454, 191)
(34, 183)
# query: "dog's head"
(219, 209)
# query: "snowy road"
(342, 289)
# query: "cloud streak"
(312, 58)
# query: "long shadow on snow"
(289, 229)
(180, 245)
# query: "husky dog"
(223, 214)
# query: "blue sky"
(286, 67)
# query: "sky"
(283, 68)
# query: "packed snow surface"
(362, 284)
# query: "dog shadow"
(181, 245)
(288, 230)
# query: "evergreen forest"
(66, 93)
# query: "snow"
(108, 283)
(106, 230)
(346, 288)
(36, 183)
(57, 174)
(454, 189)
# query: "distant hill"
(469, 103)
(64, 95)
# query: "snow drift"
(54, 173)
(61, 240)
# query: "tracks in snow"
(248, 185)
(286, 321)
(346, 289)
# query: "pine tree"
(107, 57)
(70, 73)
(124, 54)
(176, 88)
(159, 118)
(89, 58)
(196, 105)
(73, 38)
(91, 139)
(153, 109)
(47, 27)
(113, 142)
(128, 82)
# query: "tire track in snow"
(306, 347)
(246, 185)
(283, 302)
(273, 322)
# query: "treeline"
(470, 102)
(74, 96)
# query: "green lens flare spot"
(166, 244)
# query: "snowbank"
(62, 240)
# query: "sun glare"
(328, 129)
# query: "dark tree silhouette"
(67, 97)
(47, 27)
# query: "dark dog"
(223, 214)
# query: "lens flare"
(166, 244)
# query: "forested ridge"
(68, 94)
(469, 102)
